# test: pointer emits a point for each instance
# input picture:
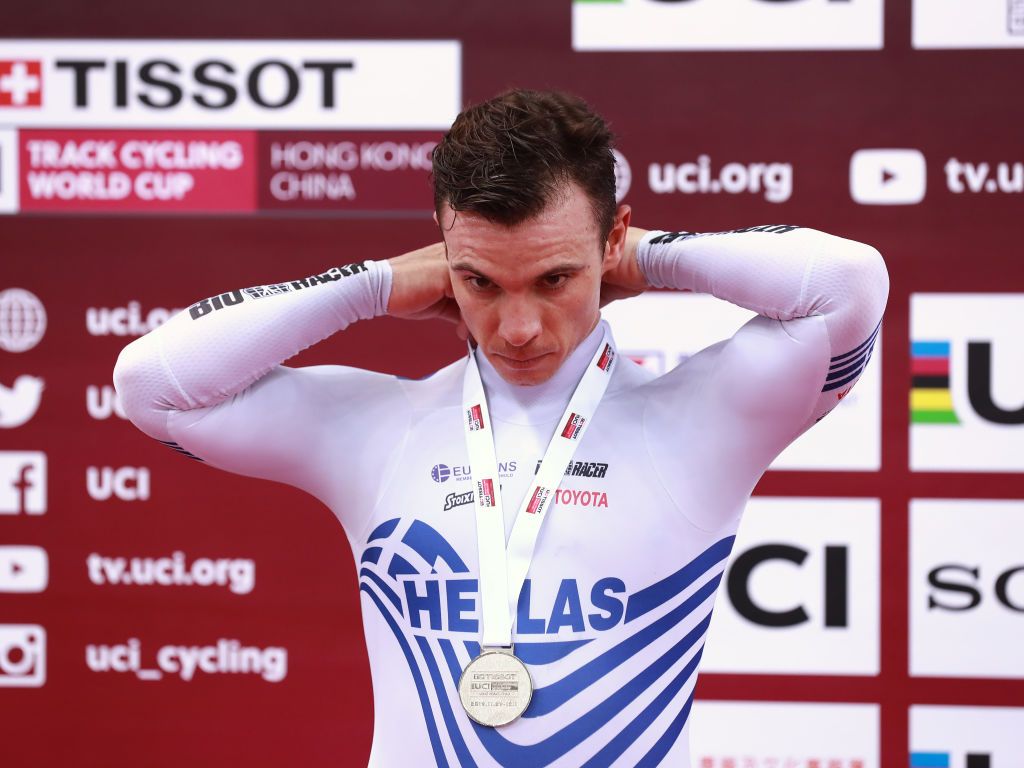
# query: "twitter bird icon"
(19, 403)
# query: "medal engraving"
(495, 688)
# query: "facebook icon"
(22, 483)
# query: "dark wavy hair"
(506, 158)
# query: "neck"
(538, 403)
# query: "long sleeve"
(209, 383)
(819, 300)
(219, 346)
(783, 273)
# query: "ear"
(615, 247)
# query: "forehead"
(564, 228)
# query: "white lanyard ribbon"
(503, 571)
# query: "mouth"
(523, 363)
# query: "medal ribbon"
(503, 570)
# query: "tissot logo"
(709, 25)
(966, 587)
(802, 590)
(243, 84)
(967, 382)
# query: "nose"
(519, 323)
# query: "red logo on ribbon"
(485, 492)
(475, 416)
(536, 505)
(573, 426)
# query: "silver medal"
(495, 688)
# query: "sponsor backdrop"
(156, 612)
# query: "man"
(590, 614)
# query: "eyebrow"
(558, 269)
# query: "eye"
(479, 283)
(554, 281)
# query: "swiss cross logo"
(21, 84)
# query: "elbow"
(127, 380)
(136, 381)
(864, 276)
(126, 371)
(875, 272)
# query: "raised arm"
(784, 273)
(209, 383)
(819, 300)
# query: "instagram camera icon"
(22, 656)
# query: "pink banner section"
(355, 171)
(150, 171)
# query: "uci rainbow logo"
(931, 401)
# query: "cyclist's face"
(529, 294)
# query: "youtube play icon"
(23, 569)
(888, 176)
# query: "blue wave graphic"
(432, 547)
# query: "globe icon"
(440, 473)
(22, 320)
